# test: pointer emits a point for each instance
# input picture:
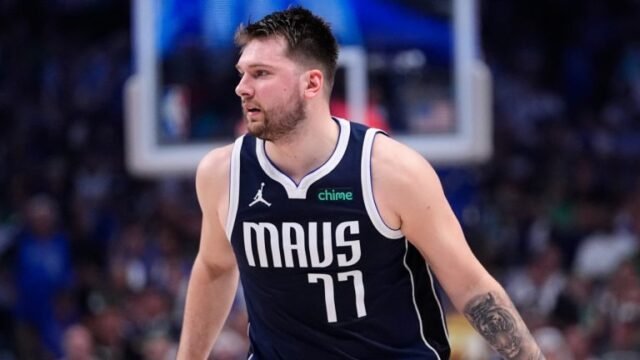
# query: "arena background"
(94, 261)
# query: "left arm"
(423, 214)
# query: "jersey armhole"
(234, 186)
(367, 188)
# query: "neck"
(307, 148)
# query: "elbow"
(216, 269)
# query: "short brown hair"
(308, 36)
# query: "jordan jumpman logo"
(258, 198)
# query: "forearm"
(493, 315)
(209, 298)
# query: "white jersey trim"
(299, 191)
(435, 296)
(413, 298)
(248, 336)
(367, 188)
(234, 186)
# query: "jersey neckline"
(299, 191)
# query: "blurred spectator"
(109, 329)
(536, 288)
(616, 317)
(579, 343)
(230, 346)
(43, 270)
(375, 113)
(78, 344)
(159, 346)
(602, 251)
(553, 344)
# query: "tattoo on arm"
(498, 325)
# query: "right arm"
(421, 210)
(214, 277)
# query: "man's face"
(270, 89)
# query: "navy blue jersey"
(324, 277)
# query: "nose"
(243, 89)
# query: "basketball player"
(335, 230)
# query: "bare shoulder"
(402, 180)
(212, 178)
(212, 187)
(396, 164)
(216, 162)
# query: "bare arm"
(497, 320)
(423, 214)
(214, 277)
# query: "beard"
(279, 121)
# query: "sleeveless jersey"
(323, 276)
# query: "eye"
(260, 73)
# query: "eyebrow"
(256, 65)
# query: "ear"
(313, 83)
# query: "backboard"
(410, 67)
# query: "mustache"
(250, 105)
